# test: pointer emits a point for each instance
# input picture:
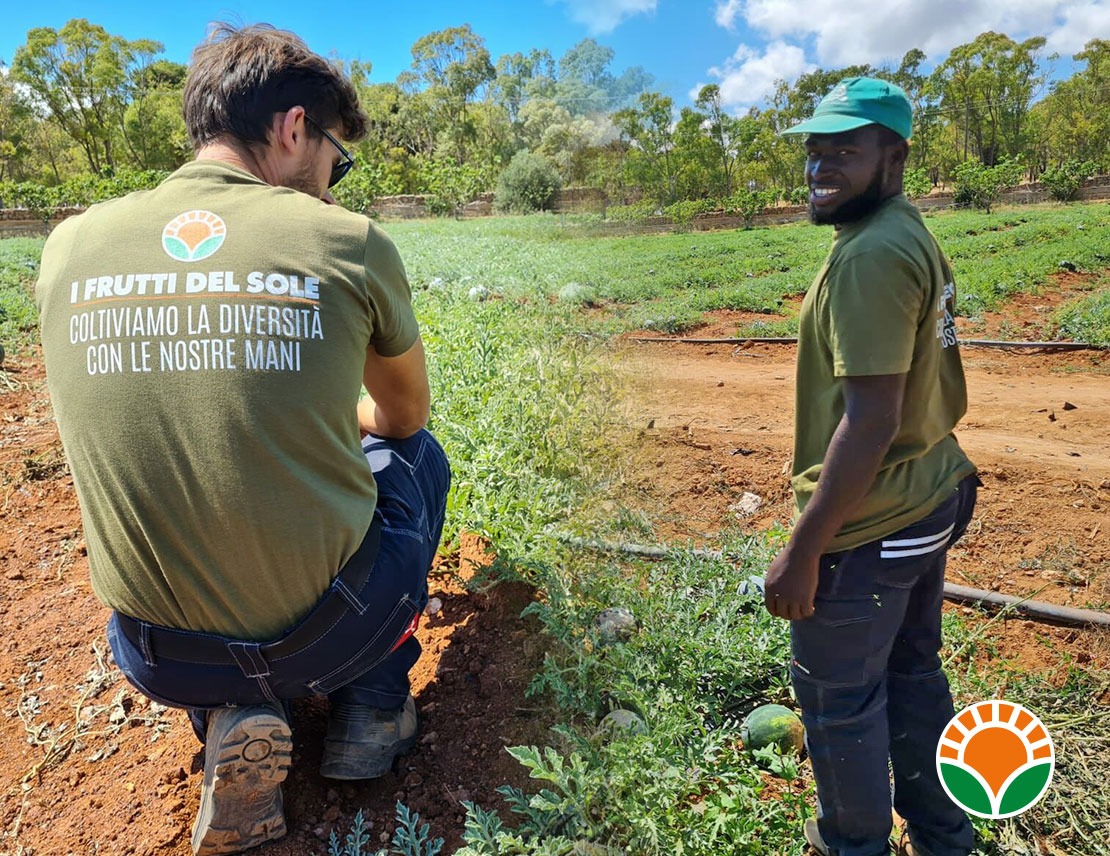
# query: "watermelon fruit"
(773, 724)
(622, 723)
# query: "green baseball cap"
(859, 101)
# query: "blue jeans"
(365, 656)
(867, 675)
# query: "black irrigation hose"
(970, 343)
(1031, 608)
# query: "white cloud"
(727, 12)
(845, 32)
(1081, 23)
(748, 77)
(604, 16)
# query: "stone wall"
(18, 221)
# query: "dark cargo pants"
(867, 675)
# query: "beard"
(855, 208)
(305, 180)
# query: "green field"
(524, 405)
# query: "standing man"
(881, 486)
(259, 533)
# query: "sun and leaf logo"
(193, 236)
(995, 759)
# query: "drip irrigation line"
(970, 343)
(961, 594)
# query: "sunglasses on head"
(344, 166)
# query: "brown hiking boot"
(246, 758)
(363, 741)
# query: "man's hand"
(791, 585)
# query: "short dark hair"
(239, 77)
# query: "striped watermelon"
(773, 723)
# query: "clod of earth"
(616, 624)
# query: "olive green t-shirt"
(205, 344)
(883, 303)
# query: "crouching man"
(259, 532)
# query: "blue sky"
(744, 45)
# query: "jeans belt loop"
(144, 643)
(248, 656)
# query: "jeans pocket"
(379, 646)
(833, 646)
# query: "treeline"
(84, 114)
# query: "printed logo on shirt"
(946, 316)
(194, 235)
(995, 759)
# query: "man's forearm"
(849, 470)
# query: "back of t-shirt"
(205, 344)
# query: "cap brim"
(828, 124)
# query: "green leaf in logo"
(207, 247)
(176, 248)
(1026, 788)
(966, 789)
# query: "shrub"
(981, 186)
(449, 185)
(637, 212)
(363, 186)
(917, 183)
(529, 183)
(750, 203)
(684, 211)
(1063, 181)
(77, 192)
(798, 196)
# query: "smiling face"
(851, 173)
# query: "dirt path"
(89, 766)
(715, 423)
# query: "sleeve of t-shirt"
(872, 307)
(387, 286)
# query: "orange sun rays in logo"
(194, 235)
(998, 742)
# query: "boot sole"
(240, 801)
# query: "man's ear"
(899, 154)
(289, 129)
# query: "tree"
(648, 128)
(725, 133)
(1075, 117)
(454, 65)
(987, 87)
(84, 78)
(517, 74)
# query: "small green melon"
(622, 723)
(773, 723)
